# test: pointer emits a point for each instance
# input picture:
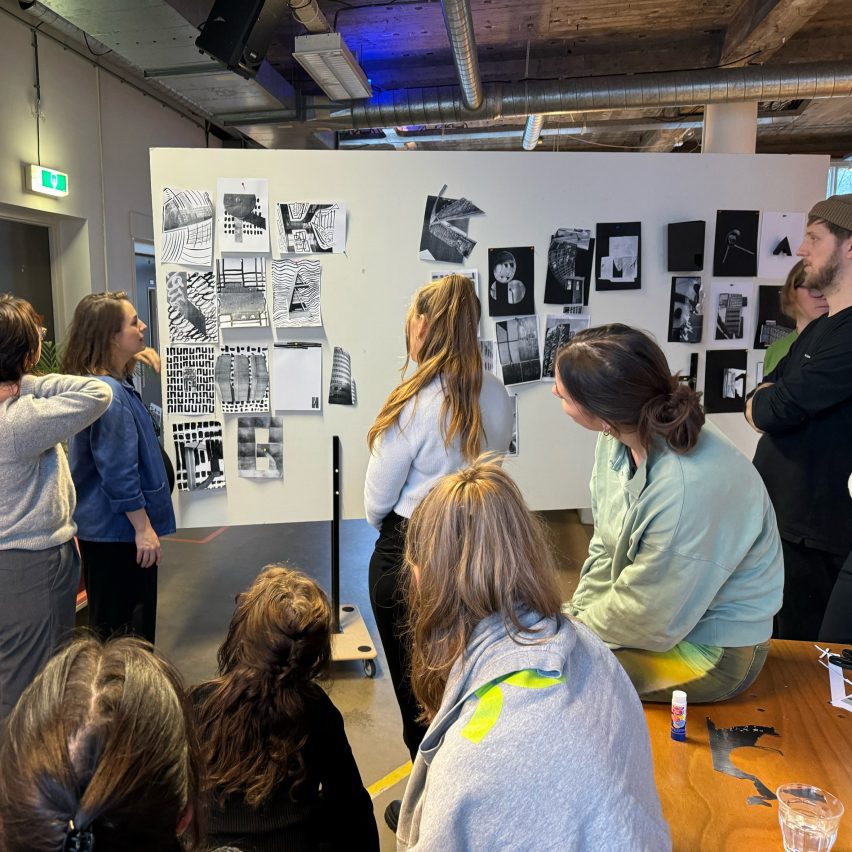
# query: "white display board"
(366, 290)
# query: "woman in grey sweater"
(39, 565)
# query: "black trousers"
(387, 597)
(809, 577)
(122, 596)
(837, 624)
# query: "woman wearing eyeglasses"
(39, 565)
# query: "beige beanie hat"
(837, 209)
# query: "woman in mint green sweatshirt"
(685, 570)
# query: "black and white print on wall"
(296, 293)
(731, 307)
(686, 310)
(513, 441)
(511, 284)
(780, 236)
(189, 379)
(517, 345)
(305, 228)
(686, 246)
(445, 223)
(242, 377)
(187, 228)
(569, 267)
(490, 358)
(191, 301)
(198, 455)
(342, 390)
(771, 324)
(618, 259)
(243, 221)
(241, 290)
(297, 376)
(735, 244)
(724, 380)
(260, 447)
(558, 330)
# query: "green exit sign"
(48, 181)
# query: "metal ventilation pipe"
(532, 131)
(459, 21)
(636, 91)
(310, 16)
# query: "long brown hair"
(103, 737)
(619, 374)
(476, 550)
(449, 349)
(252, 718)
(88, 350)
(20, 335)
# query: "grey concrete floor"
(204, 569)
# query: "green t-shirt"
(776, 351)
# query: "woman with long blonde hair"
(435, 421)
(534, 728)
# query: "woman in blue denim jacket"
(123, 498)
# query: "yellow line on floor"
(389, 780)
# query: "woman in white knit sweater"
(433, 423)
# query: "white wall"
(365, 292)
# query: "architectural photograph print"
(771, 323)
(517, 345)
(260, 447)
(686, 246)
(569, 267)
(305, 228)
(558, 330)
(490, 358)
(242, 378)
(192, 307)
(618, 259)
(187, 228)
(199, 459)
(243, 221)
(342, 390)
(189, 380)
(513, 441)
(297, 376)
(445, 225)
(511, 283)
(241, 291)
(724, 380)
(686, 310)
(296, 293)
(731, 309)
(780, 236)
(735, 244)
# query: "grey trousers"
(38, 594)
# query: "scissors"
(844, 659)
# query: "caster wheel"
(370, 668)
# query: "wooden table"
(707, 809)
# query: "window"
(839, 178)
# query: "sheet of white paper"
(297, 377)
(731, 307)
(781, 233)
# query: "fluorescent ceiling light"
(332, 66)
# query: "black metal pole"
(335, 532)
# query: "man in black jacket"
(804, 410)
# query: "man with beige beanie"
(804, 410)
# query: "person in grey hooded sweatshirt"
(536, 736)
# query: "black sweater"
(330, 811)
(805, 455)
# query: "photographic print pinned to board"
(569, 267)
(490, 358)
(558, 330)
(260, 447)
(445, 224)
(780, 235)
(686, 310)
(243, 221)
(771, 324)
(296, 293)
(187, 228)
(342, 390)
(724, 380)
(735, 244)
(686, 246)
(618, 259)
(513, 441)
(731, 309)
(297, 376)
(305, 228)
(517, 347)
(189, 380)
(242, 378)
(511, 281)
(192, 307)
(198, 455)
(241, 291)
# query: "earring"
(607, 430)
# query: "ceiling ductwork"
(532, 132)
(459, 21)
(445, 105)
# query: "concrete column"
(730, 128)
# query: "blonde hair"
(476, 550)
(449, 349)
(88, 350)
(787, 296)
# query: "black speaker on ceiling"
(238, 32)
